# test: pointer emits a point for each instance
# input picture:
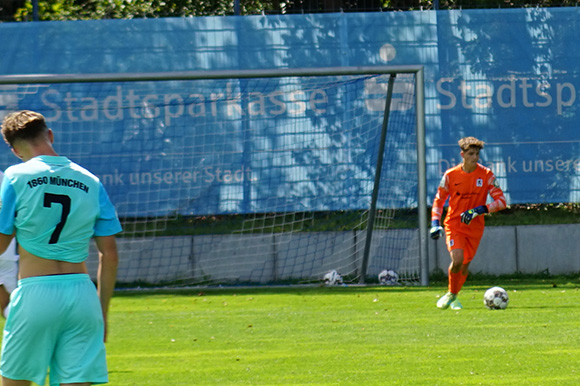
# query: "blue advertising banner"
(509, 77)
(216, 146)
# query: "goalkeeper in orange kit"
(467, 186)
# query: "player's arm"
(106, 227)
(5, 241)
(436, 230)
(498, 203)
(107, 272)
(7, 214)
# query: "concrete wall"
(526, 249)
(266, 258)
(149, 259)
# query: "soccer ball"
(389, 277)
(496, 298)
(332, 278)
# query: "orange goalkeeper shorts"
(469, 244)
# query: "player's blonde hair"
(23, 125)
(468, 142)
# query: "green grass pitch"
(346, 336)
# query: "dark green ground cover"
(525, 214)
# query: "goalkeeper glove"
(470, 214)
(436, 230)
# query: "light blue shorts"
(55, 322)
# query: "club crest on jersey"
(479, 182)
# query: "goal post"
(251, 176)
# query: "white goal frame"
(417, 70)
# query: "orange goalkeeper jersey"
(467, 191)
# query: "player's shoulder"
(80, 169)
(484, 170)
(32, 166)
(20, 169)
(453, 170)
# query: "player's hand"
(470, 214)
(436, 230)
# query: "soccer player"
(467, 186)
(54, 207)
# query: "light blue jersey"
(45, 199)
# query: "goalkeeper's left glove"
(470, 214)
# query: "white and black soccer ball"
(389, 277)
(332, 278)
(496, 298)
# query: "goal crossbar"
(216, 74)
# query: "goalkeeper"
(467, 186)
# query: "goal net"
(270, 177)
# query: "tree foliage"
(129, 9)
(22, 10)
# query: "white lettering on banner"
(453, 92)
(511, 93)
(205, 176)
(125, 103)
(511, 166)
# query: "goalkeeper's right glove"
(436, 230)
(470, 214)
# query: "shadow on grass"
(298, 290)
(438, 282)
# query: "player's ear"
(15, 152)
(51, 135)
